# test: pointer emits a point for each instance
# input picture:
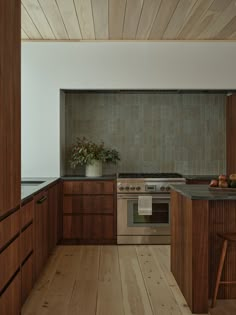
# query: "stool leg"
(219, 272)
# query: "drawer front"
(98, 227)
(72, 227)
(10, 300)
(9, 262)
(9, 228)
(88, 187)
(26, 242)
(103, 204)
(27, 213)
(26, 279)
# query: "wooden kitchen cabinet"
(89, 212)
(41, 231)
(27, 278)
(10, 299)
(53, 213)
(10, 96)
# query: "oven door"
(129, 222)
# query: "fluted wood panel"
(222, 219)
(231, 134)
(10, 160)
(189, 249)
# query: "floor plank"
(111, 280)
(164, 301)
(136, 301)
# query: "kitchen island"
(197, 215)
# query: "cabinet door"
(9, 262)
(27, 213)
(26, 238)
(41, 231)
(10, 45)
(26, 278)
(9, 228)
(10, 300)
(98, 227)
(53, 207)
(72, 226)
(88, 187)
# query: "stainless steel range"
(154, 228)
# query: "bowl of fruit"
(224, 181)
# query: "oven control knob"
(162, 188)
(167, 188)
(138, 188)
(127, 188)
(121, 188)
(132, 188)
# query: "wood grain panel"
(72, 227)
(9, 262)
(53, 213)
(162, 19)
(38, 17)
(179, 18)
(224, 11)
(28, 25)
(208, 17)
(52, 13)
(26, 279)
(10, 301)
(116, 18)
(85, 16)
(231, 134)
(100, 17)
(99, 227)
(222, 219)
(88, 187)
(148, 14)
(10, 92)
(26, 241)
(27, 213)
(69, 16)
(88, 204)
(9, 228)
(199, 9)
(132, 16)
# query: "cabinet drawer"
(27, 213)
(72, 227)
(10, 299)
(98, 227)
(9, 228)
(26, 278)
(88, 187)
(26, 242)
(9, 262)
(103, 204)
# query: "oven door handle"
(155, 197)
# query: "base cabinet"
(26, 278)
(10, 300)
(89, 212)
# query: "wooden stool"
(227, 237)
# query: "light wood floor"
(110, 280)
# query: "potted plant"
(92, 155)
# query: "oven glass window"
(160, 214)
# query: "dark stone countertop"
(83, 177)
(202, 192)
(28, 190)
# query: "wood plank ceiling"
(128, 19)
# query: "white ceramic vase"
(94, 169)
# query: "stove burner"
(149, 175)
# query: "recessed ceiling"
(128, 19)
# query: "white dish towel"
(145, 205)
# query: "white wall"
(48, 67)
